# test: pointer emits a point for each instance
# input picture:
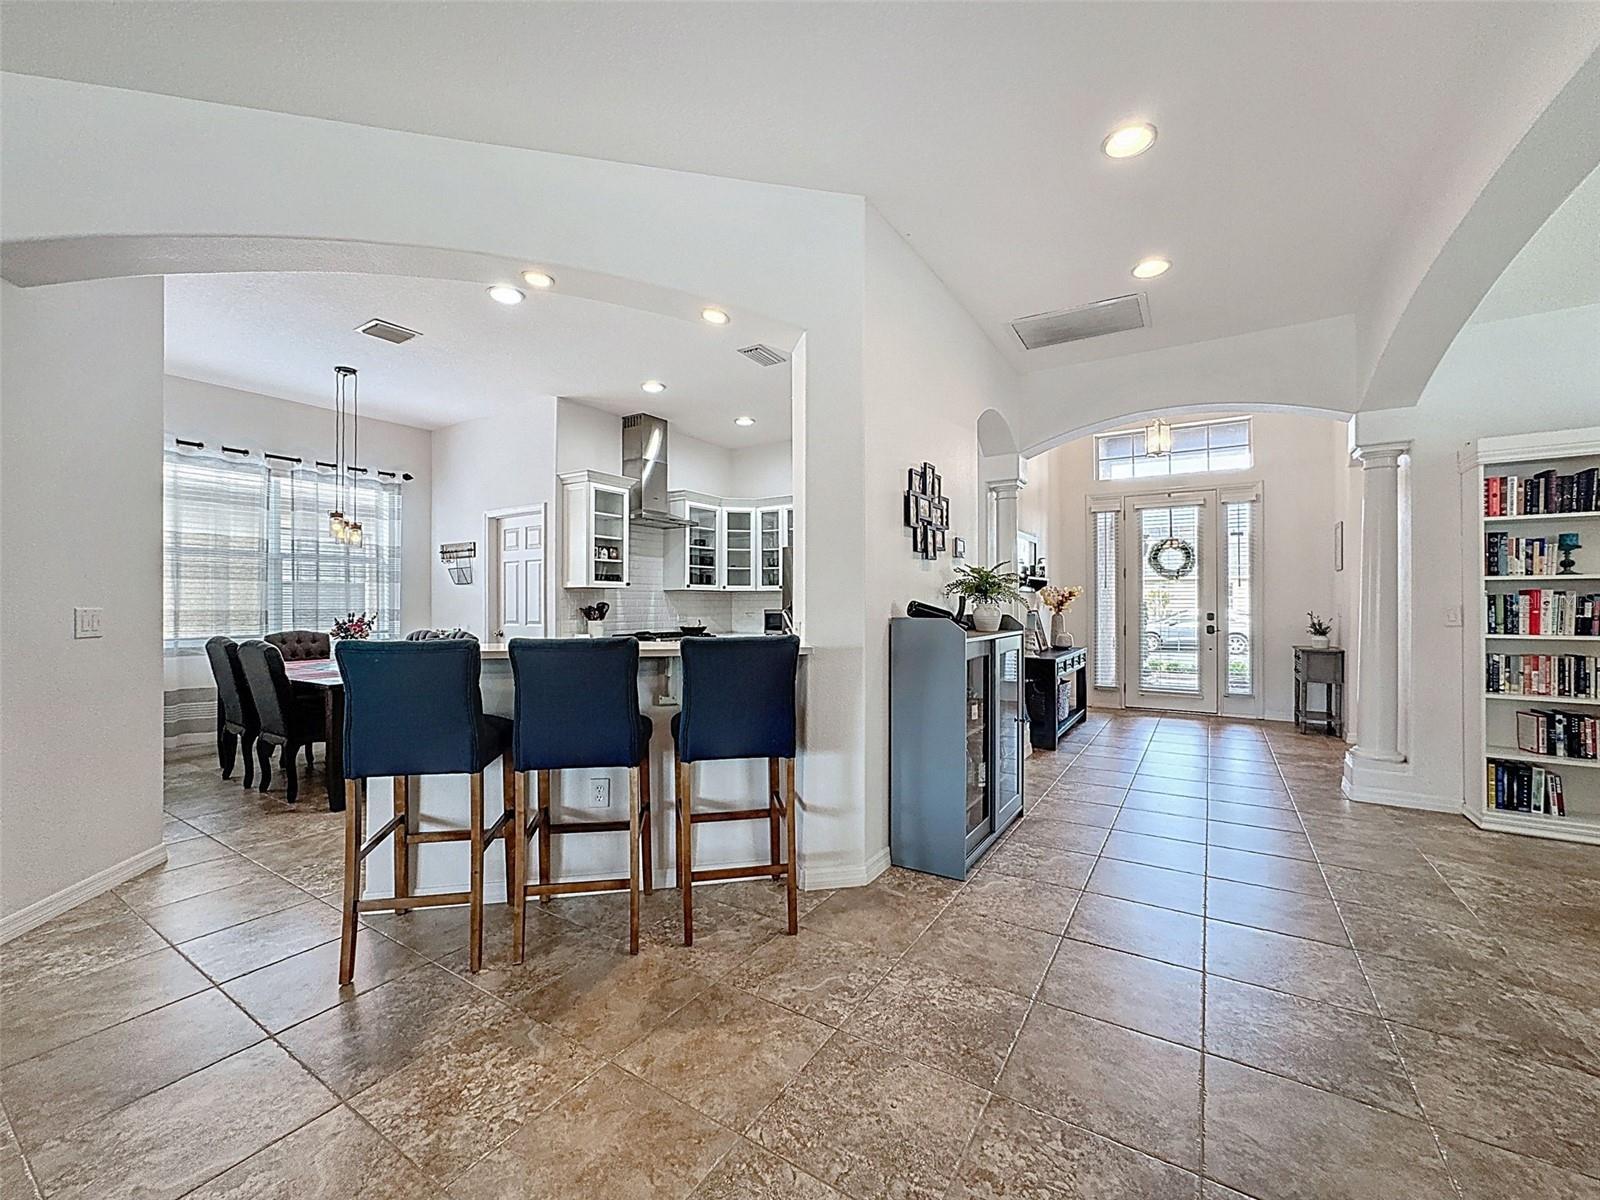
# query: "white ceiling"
(1295, 138)
(282, 335)
(1558, 268)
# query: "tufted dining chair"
(297, 645)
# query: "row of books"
(1544, 612)
(1507, 555)
(1558, 733)
(1525, 787)
(1546, 492)
(1559, 676)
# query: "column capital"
(1379, 454)
(1006, 487)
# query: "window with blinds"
(1106, 641)
(1197, 448)
(1239, 528)
(246, 551)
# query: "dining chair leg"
(519, 890)
(508, 803)
(291, 777)
(264, 760)
(646, 831)
(633, 861)
(354, 807)
(475, 901)
(247, 749)
(685, 850)
(544, 834)
(311, 758)
(227, 752)
(773, 819)
(402, 847)
(791, 811)
(222, 742)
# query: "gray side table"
(1323, 668)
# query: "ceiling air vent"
(764, 356)
(1086, 321)
(386, 331)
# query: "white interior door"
(1170, 602)
(520, 567)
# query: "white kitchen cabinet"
(728, 545)
(739, 549)
(595, 515)
(693, 556)
(770, 532)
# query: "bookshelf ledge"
(1534, 698)
(1514, 755)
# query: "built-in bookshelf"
(1533, 742)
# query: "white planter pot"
(986, 617)
(1060, 635)
(1320, 643)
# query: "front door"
(519, 570)
(1170, 607)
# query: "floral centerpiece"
(1058, 600)
(356, 626)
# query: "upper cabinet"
(739, 549)
(595, 511)
(770, 542)
(693, 554)
(728, 545)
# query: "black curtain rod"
(293, 458)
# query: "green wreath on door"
(1158, 560)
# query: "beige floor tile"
(1265, 870)
(872, 1123)
(192, 851)
(1158, 886)
(1138, 1090)
(175, 830)
(1063, 868)
(1256, 815)
(813, 974)
(56, 952)
(622, 1138)
(765, 896)
(1141, 993)
(1162, 824)
(1271, 1137)
(1294, 913)
(470, 1092)
(34, 1020)
(172, 1140)
(84, 1080)
(299, 987)
(1256, 840)
(184, 920)
(946, 1021)
(1056, 834)
(1159, 933)
(1017, 1153)
(1080, 812)
(1488, 1173)
(1195, 788)
(170, 884)
(1189, 807)
(1377, 930)
(980, 949)
(1161, 852)
(1420, 896)
(1313, 970)
(263, 941)
(752, 1173)
(336, 1157)
(1029, 903)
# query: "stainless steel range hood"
(644, 461)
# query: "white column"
(1005, 519)
(1378, 658)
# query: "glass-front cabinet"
(739, 549)
(595, 520)
(703, 555)
(727, 545)
(770, 526)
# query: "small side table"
(1322, 667)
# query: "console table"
(1319, 666)
(1057, 693)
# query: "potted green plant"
(986, 589)
(1319, 628)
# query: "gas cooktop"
(667, 635)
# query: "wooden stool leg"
(544, 833)
(772, 808)
(355, 796)
(685, 851)
(646, 830)
(519, 890)
(402, 847)
(791, 808)
(475, 904)
(508, 803)
(633, 861)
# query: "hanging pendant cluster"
(346, 403)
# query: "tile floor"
(1191, 971)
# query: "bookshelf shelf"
(1541, 470)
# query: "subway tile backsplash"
(646, 604)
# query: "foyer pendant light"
(1158, 438)
(346, 403)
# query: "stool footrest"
(730, 814)
(496, 829)
(395, 903)
(440, 835)
(378, 838)
(776, 871)
(590, 826)
(576, 887)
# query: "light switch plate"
(1452, 617)
(86, 622)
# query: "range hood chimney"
(644, 461)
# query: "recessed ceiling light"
(654, 386)
(744, 422)
(1149, 268)
(1126, 141)
(714, 316)
(504, 293)
(538, 279)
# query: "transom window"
(1198, 448)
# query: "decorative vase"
(596, 628)
(1319, 641)
(1060, 635)
(986, 617)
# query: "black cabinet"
(1058, 694)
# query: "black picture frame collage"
(927, 512)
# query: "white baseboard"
(1371, 782)
(819, 879)
(40, 911)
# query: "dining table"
(320, 677)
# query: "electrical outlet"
(599, 792)
(1452, 617)
(86, 622)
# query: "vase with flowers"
(1058, 600)
(354, 626)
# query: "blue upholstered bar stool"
(414, 708)
(738, 702)
(577, 707)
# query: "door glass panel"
(702, 547)
(1169, 603)
(1008, 728)
(977, 744)
(740, 549)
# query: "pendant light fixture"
(346, 403)
(1158, 438)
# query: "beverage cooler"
(956, 727)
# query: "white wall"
(1522, 375)
(217, 415)
(1297, 461)
(766, 470)
(80, 524)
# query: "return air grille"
(386, 331)
(1086, 321)
(764, 356)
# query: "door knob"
(1211, 628)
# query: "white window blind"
(1239, 526)
(1105, 600)
(246, 551)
